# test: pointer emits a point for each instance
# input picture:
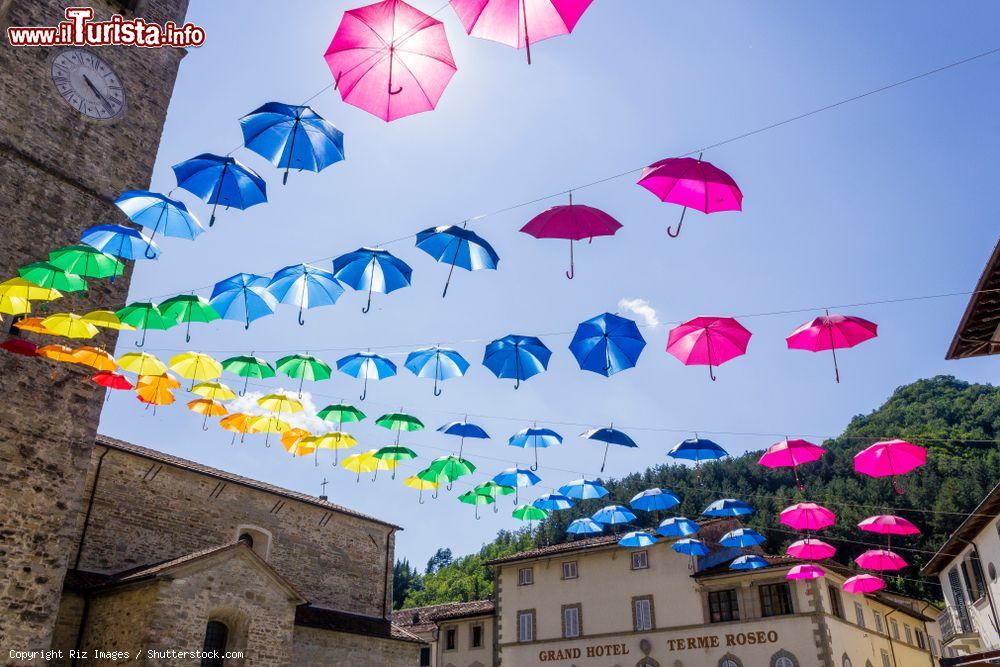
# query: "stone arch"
(868, 663)
(237, 622)
(845, 661)
(784, 658)
(257, 538)
(730, 660)
(647, 662)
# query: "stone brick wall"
(119, 621)
(322, 647)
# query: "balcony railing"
(953, 624)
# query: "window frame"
(219, 639)
(732, 608)
(885, 658)
(635, 613)
(859, 615)
(645, 559)
(894, 626)
(575, 567)
(921, 638)
(879, 622)
(579, 620)
(425, 650)
(482, 635)
(908, 631)
(528, 580)
(520, 625)
(836, 602)
(450, 638)
(769, 594)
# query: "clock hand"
(96, 92)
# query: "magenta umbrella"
(811, 549)
(574, 222)
(692, 184)
(889, 524)
(864, 583)
(390, 59)
(880, 560)
(890, 458)
(806, 571)
(831, 332)
(708, 341)
(519, 23)
(791, 454)
(807, 516)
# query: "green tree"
(405, 579)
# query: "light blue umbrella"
(749, 562)
(552, 502)
(653, 500)
(220, 179)
(584, 526)
(613, 515)
(366, 365)
(535, 437)
(372, 269)
(463, 430)
(440, 363)
(583, 489)
(741, 538)
(305, 286)
(677, 526)
(120, 241)
(516, 477)
(457, 246)
(518, 357)
(293, 137)
(160, 214)
(728, 507)
(609, 436)
(690, 546)
(243, 297)
(636, 539)
(607, 344)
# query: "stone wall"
(323, 647)
(119, 621)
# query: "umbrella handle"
(420, 498)
(437, 392)
(605, 461)
(204, 423)
(368, 306)
(301, 319)
(141, 341)
(670, 230)
(291, 150)
(711, 373)
(149, 246)
(187, 334)
(232, 441)
(398, 90)
(901, 490)
(535, 466)
(517, 383)
(477, 513)
(496, 510)
(572, 268)
(527, 41)
(364, 392)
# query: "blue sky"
(892, 196)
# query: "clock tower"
(78, 125)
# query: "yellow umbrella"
(238, 422)
(335, 440)
(14, 305)
(269, 425)
(367, 462)
(69, 325)
(107, 319)
(25, 289)
(164, 380)
(33, 324)
(215, 391)
(207, 407)
(300, 447)
(279, 403)
(141, 363)
(421, 485)
(196, 366)
(56, 353)
(94, 357)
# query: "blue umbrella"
(583, 489)
(749, 562)
(292, 136)
(305, 286)
(372, 269)
(518, 357)
(516, 477)
(613, 515)
(367, 365)
(741, 538)
(552, 502)
(652, 500)
(677, 526)
(243, 297)
(220, 179)
(457, 246)
(607, 344)
(120, 241)
(690, 547)
(728, 507)
(535, 437)
(637, 538)
(440, 363)
(609, 436)
(464, 430)
(697, 449)
(164, 215)
(584, 526)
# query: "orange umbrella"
(56, 353)
(293, 435)
(155, 394)
(301, 446)
(207, 407)
(164, 380)
(33, 324)
(238, 422)
(94, 357)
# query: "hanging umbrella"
(372, 269)
(463, 430)
(13, 305)
(188, 308)
(86, 261)
(494, 491)
(880, 560)
(552, 502)
(583, 489)
(335, 440)
(32, 324)
(677, 526)
(519, 23)
(144, 315)
(305, 286)
(728, 507)
(95, 358)
(862, 584)
(637, 539)
(440, 363)
(584, 526)
(164, 380)
(612, 515)
(607, 344)
(111, 380)
(692, 184)
(159, 213)
(399, 422)
(609, 436)
(395, 453)
(238, 422)
(807, 516)
(141, 364)
(457, 246)
(742, 538)
(831, 332)
(697, 449)
(518, 357)
(528, 513)
(367, 462)
(47, 275)
(368, 365)
(268, 425)
(708, 341)
(535, 437)
(27, 290)
(155, 395)
(791, 454)
(25, 348)
(390, 59)
(690, 546)
(574, 223)
(292, 137)
(298, 442)
(811, 549)
(890, 458)
(516, 478)
(121, 241)
(805, 572)
(888, 524)
(215, 391)
(304, 367)
(207, 407)
(69, 325)
(248, 366)
(415, 482)
(477, 499)
(106, 319)
(341, 413)
(451, 468)
(220, 179)
(56, 353)
(195, 366)
(243, 297)
(654, 500)
(749, 562)
(279, 403)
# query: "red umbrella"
(708, 341)
(791, 454)
(574, 222)
(19, 346)
(830, 332)
(111, 381)
(692, 184)
(390, 59)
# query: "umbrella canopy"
(609, 436)
(692, 184)
(677, 526)
(279, 403)
(48, 275)
(421, 484)
(69, 325)
(399, 422)
(612, 515)
(880, 560)
(294, 435)
(552, 502)
(791, 454)
(56, 353)
(160, 214)
(27, 290)
(584, 526)
(457, 246)
(890, 458)
(32, 324)
(106, 319)
(121, 241)
(221, 179)
(708, 341)
(831, 332)
(341, 413)
(636, 539)
(298, 445)
(573, 222)
(742, 538)
(268, 424)
(607, 344)
(888, 524)
(96, 358)
(804, 572)
(141, 364)
(749, 562)
(144, 315)
(535, 438)
(14, 305)
(811, 549)
(654, 500)
(248, 366)
(519, 23)
(728, 507)
(154, 394)
(111, 380)
(697, 449)
(292, 137)
(25, 348)
(440, 363)
(807, 516)
(243, 298)
(366, 365)
(690, 546)
(87, 261)
(366, 462)
(304, 367)
(195, 366)
(516, 478)
(335, 440)
(208, 408)
(395, 453)
(477, 499)
(861, 584)
(215, 391)
(518, 357)
(494, 491)
(390, 59)
(372, 269)
(451, 468)
(188, 308)
(529, 513)
(583, 489)
(463, 430)
(238, 422)
(165, 380)
(305, 286)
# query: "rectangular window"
(571, 620)
(933, 646)
(859, 614)
(526, 626)
(640, 560)
(921, 639)
(476, 640)
(879, 625)
(885, 658)
(525, 576)
(425, 656)
(642, 613)
(909, 634)
(836, 606)
(775, 599)
(450, 639)
(569, 570)
(895, 628)
(723, 606)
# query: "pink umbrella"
(791, 454)
(519, 23)
(692, 184)
(890, 458)
(811, 549)
(574, 222)
(807, 516)
(863, 583)
(831, 332)
(390, 59)
(710, 341)
(888, 524)
(807, 571)
(880, 560)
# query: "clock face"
(88, 84)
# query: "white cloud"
(640, 308)
(306, 419)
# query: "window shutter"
(959, 595)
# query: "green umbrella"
(477, 499)
(529, 513)
(430, 475)
(304, 367)
(84, 260)
(48, 275)
(451, 467)
(342, 413)
(493, 490)
(248, 366)
(394, 453)
(399, 422)
(188, 308)
(144, 315)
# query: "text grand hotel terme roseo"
(679, 644)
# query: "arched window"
(216, 636)
(784, 659)
(730, 660)
(846, 661)
(256, 538)
(248, 538)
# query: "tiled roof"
(978, 519)
(342, 621)
(422, 619)
(974, 337)
(185, 464)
